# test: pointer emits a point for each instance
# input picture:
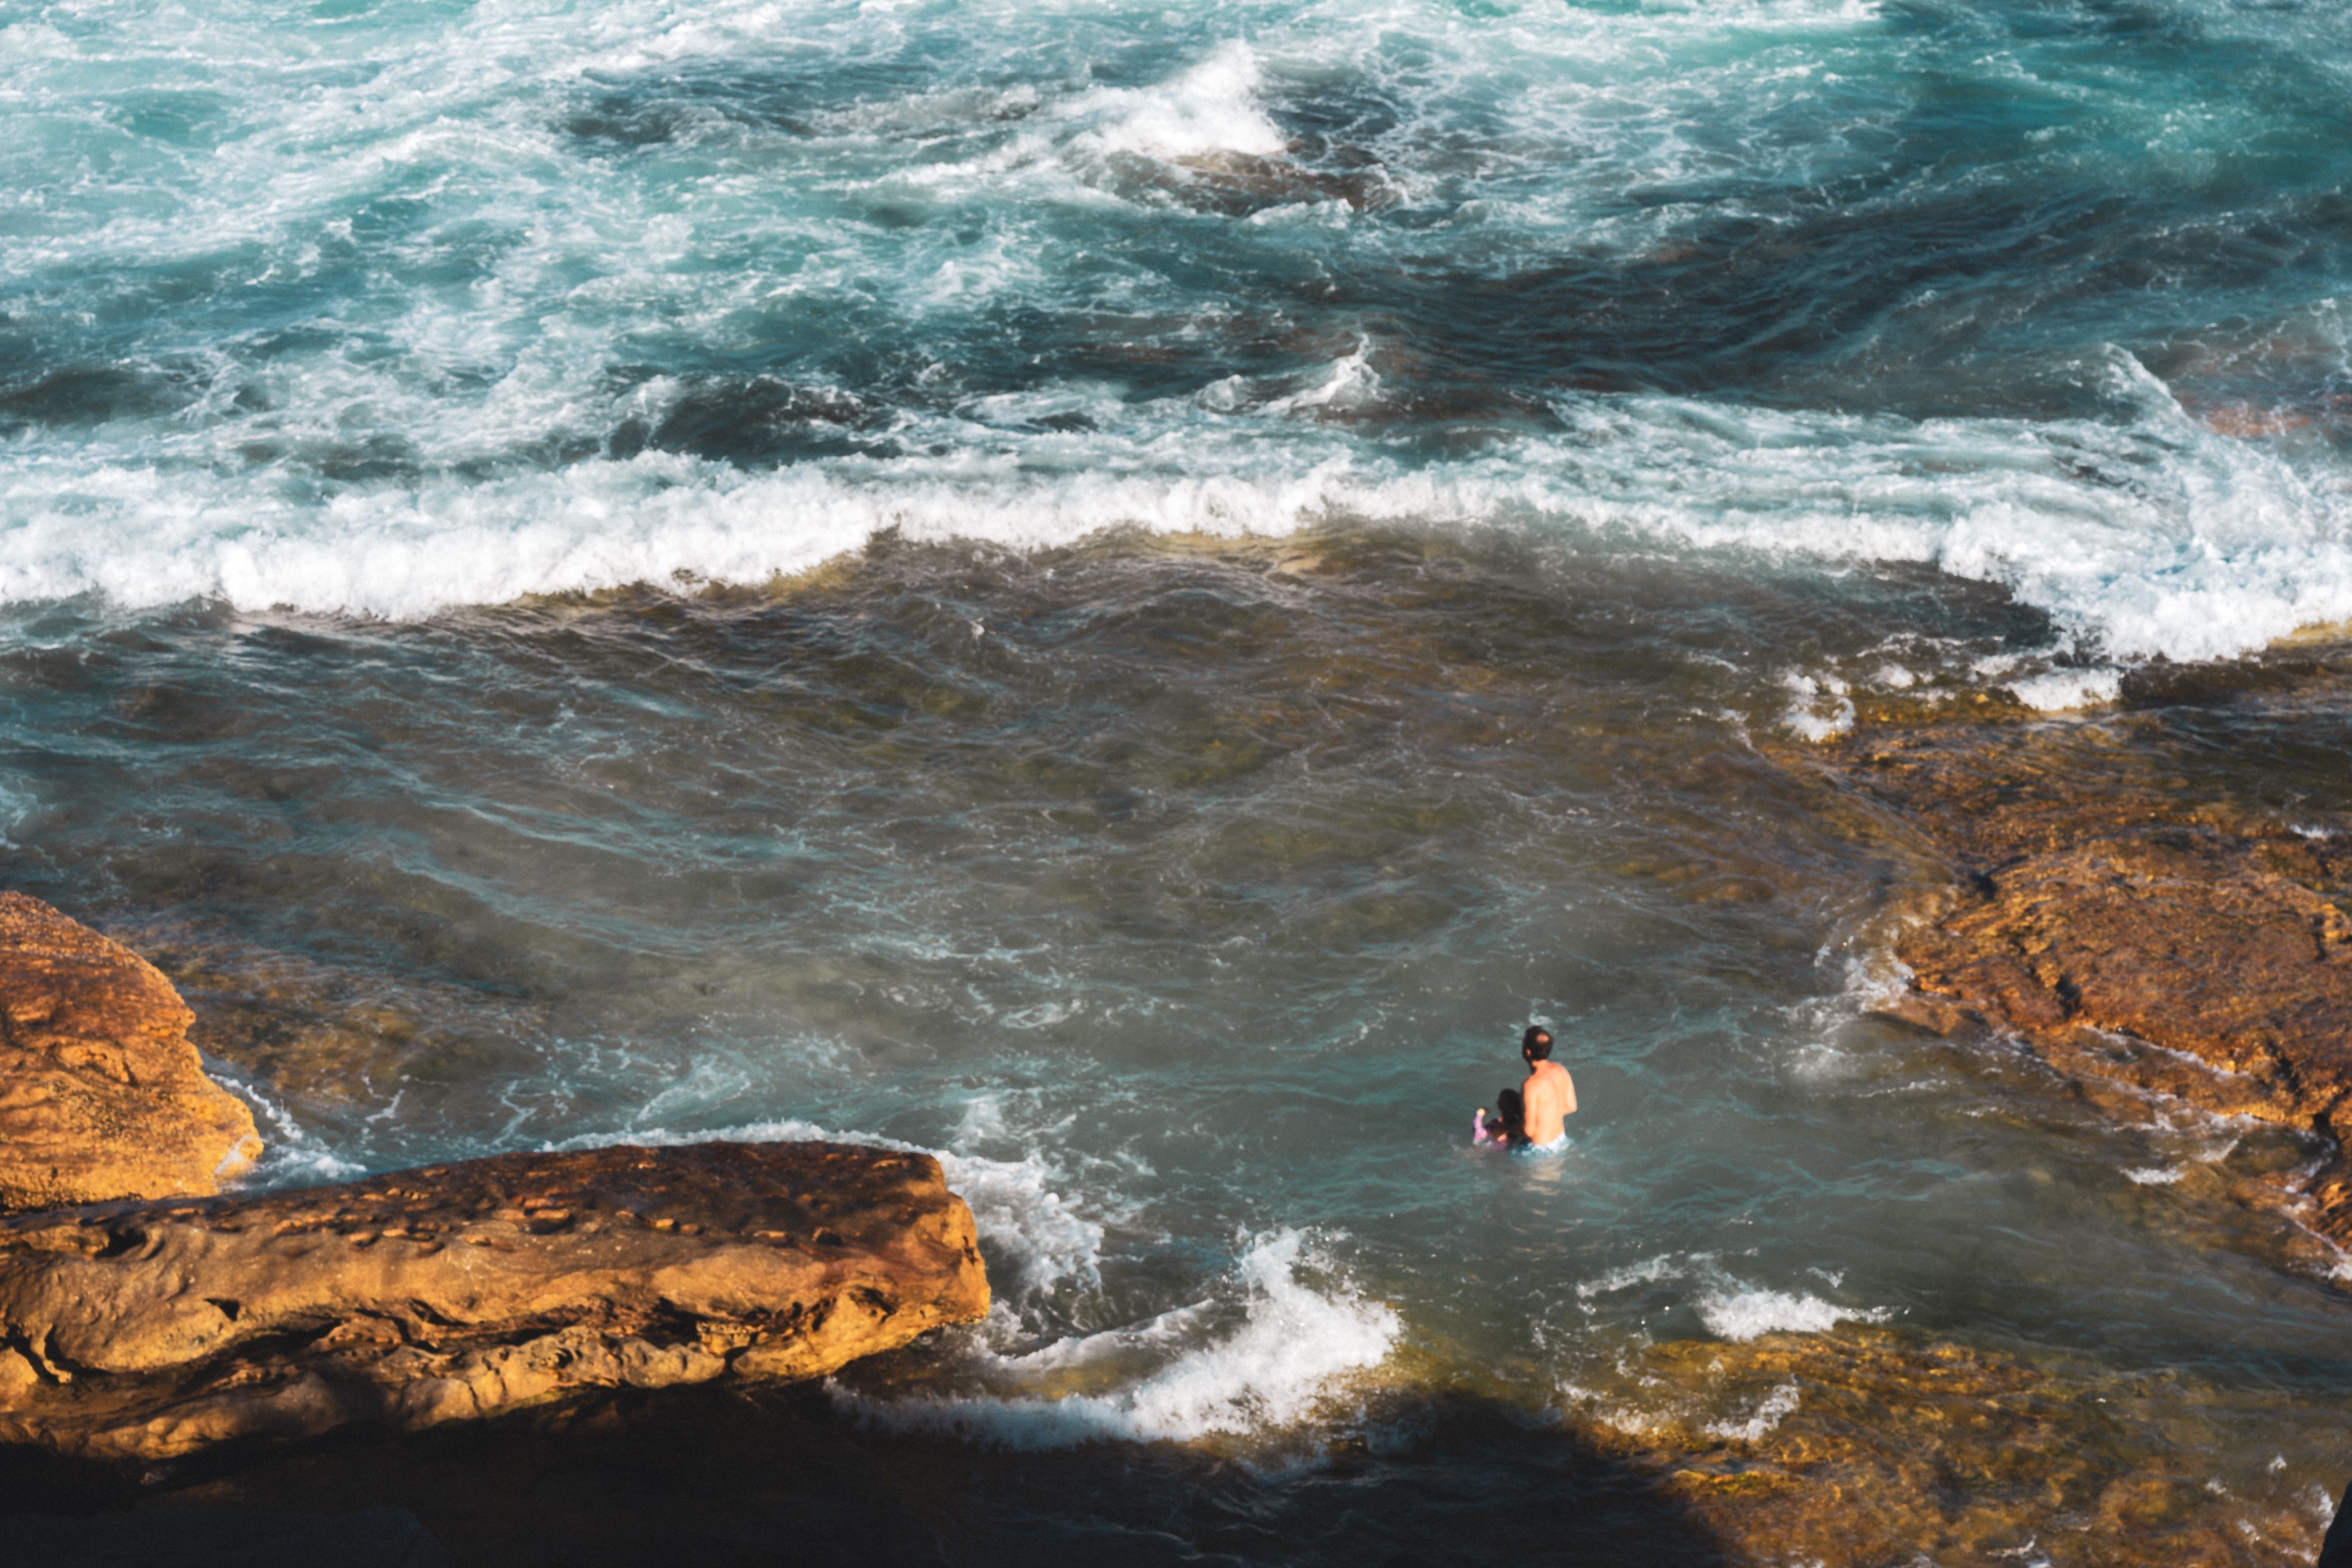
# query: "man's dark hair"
(1536, 1044)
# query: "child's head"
(1511, 1109)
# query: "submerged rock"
(2095, 918)
(1239, 183)
(102, 1096)
(152, 1330)
(1865, 1445)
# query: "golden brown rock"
(2095, 918)
(102, 1096)
(151, 1330)
(1867, 1446)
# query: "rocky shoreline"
(2149, 945)
(154, 1317)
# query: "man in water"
(1549, 1093)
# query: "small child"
(1507, 1126)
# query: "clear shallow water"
(1323, 532)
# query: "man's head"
(1536, 1044)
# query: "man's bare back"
(1549, 1093)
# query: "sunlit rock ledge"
(150, 1330)
(2131, 937)
(173, 1318)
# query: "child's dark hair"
(1511, 1111)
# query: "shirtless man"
(1549, 1093)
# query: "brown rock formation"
(151, 1330)
(1864, 1447)
(102, 1096)
(2097, 917)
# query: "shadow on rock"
(717, 1477)
(225, 1538)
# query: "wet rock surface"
(1857, 1448)
(154, 1329)
(1869, 1446)
(101, 1094)
(2131, 936)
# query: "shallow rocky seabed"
(2046, 1305)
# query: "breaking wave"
(1258, 1355)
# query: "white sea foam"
(1746, 1314)
(1658, 1409)
(1819, 709)
(1271, 1370)
(1046, 1240)
(1730, 1307)
(1648, 1271)
(2152, 535)
(1211, 108)
(146, 537)
(1352, 382)
(2067, 689)
(1257, 1357)
(2154, 1176)
(290, 1157)
(1777, 1407)
(17, 801)
(2236, 551)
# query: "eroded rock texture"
(102, 1096)
(151, 1330)
(2097, 918)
